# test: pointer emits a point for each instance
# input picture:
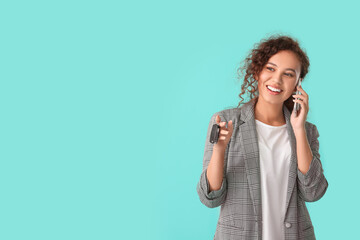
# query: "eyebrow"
(285, 69)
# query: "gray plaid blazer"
(240, 192)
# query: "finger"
(305, 105)
(302, 99)
(222, 138)
(224, 132)
(230, 125)
(218, 119)
(300, 102)
(222, 124)
(299, 88)
(296, 96)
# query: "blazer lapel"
(250, 147)
(293, 157)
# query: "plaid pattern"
(240, 192)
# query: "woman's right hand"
(224, 134)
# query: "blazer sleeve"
(313, 185)
(209, 198)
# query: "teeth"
(273, 89)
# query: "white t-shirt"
(274, 151)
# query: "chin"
(276, 102)
(271, 100)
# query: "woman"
(266, 163)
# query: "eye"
(290, 75)
(269, 68)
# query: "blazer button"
(287, 225)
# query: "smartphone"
(297, 106)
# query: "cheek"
(263, 77)
(290, 92)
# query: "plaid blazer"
(240, 192)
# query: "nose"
(278, 78)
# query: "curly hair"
(258, 57)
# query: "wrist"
(300, 131)
(218, 149)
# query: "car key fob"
(214, 136)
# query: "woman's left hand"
(298, 122)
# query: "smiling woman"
(262, 57)
(265, 164)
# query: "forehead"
(286, 59)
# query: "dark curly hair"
(258, 57)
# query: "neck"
(269, 113)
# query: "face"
(282, 72)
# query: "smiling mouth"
(273, 91)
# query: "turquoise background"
(105, 107)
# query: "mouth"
(273, 92)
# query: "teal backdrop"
(105, 107)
